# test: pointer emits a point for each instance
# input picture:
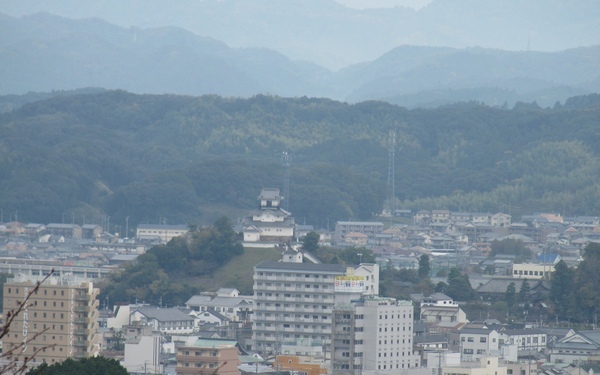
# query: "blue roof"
(548, 258)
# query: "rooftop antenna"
(391, 182)
(286, 158)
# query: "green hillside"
(192, 159)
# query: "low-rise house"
(65, 230)
(166, 320)
(440, 312)
(91, 231)
(485, 366)
(496, 288)
(227, 302)
(474, 343)
(440, 216)
(160, 232)
(209, 316)
(34, 229)
(356, 239)
(576, 347)
(500, 220)
(368, 228)
(527, 341)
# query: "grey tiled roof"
(163, 315)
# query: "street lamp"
(359, 258)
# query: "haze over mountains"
(335, 36)
(43, 52)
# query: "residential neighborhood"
(305, 316)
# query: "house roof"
(214, 313)
(163, 227)
(302, 267)
(90, 226)
(548, 258)
(269, 193)
(61, 226)
(163, 314)
(198, 300)
(499, 285)
(526, 331)
(366, 223)
(476, 331)
(215, 343)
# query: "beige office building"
(63, 313)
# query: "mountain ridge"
(55, 53)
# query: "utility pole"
(391, 183)
(286, 158)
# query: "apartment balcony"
(80, 354)
(81, 343)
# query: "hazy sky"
(366, 4)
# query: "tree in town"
(510, 295)
(561, 287)
(310, 242)
(524, 292)
(424, 266)
(89, 366)
(587, 280)
(459, 286)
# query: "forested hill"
(193, 159)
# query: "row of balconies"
(295, 278)
(313, 299)
(293, 329)
(290, 320)
(303, 290)
(319, 299)
(198, 358)
(292, 309)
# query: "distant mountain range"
(335, 36)
(43, 52)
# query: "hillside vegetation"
(193, 159)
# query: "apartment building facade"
(293, 301)
(208, 357)
(60, 320)
(374, 334)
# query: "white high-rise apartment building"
(293, 301)
(373, 335)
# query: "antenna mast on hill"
(391, 182)
(285, 163)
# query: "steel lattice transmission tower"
(391, 182)
(286, 158)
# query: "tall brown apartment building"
(64, 308)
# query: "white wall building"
(475, 343)
(163, 233)
(142, 350)
(373, 335)
(293, 301)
